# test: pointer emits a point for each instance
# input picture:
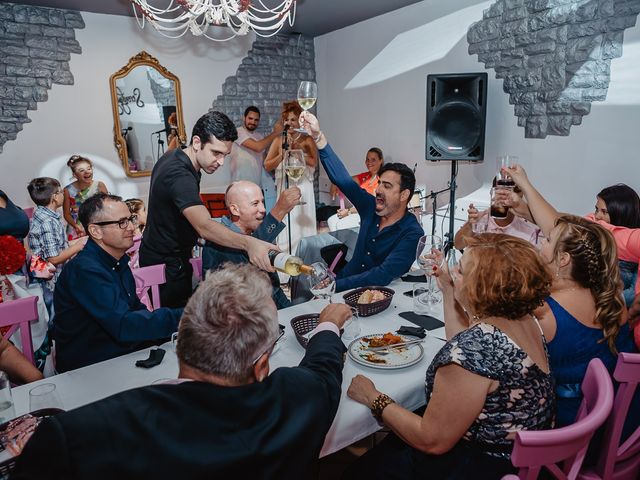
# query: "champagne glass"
(307, 95)
(295, 166)
(323, 281)
(427, 255)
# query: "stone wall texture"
(36, 44)
(554, 56)
(268, 76)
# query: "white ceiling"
(313, 18)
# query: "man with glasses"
(98, 314)
(176, 216)
(225, 416)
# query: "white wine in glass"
(294, 167)
(307, 96)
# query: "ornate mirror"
(147, 113)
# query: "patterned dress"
(76, 198)
(524, 399)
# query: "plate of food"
(382, 357)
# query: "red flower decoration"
(12, 255)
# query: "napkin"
(426, 321)
(412, 331)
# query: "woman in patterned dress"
(490, 380)
(78, 191)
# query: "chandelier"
(197, 16)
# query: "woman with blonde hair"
(495, 359)
(302, 219)
(584, 317)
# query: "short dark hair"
(92, 206)
(623, 205)
(407, 177)
(42, 189)
(252, 108)
(215, 124)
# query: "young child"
(47, 237)
(83, 187)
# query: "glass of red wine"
(502, 177)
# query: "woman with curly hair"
(302, 219)
(584, 317)
(495, 359)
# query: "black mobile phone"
(155, 358)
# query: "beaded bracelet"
(381, 402)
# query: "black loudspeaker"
(456, 113)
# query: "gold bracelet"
(381, 402)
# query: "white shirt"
(245, 163)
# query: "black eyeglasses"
(122, 223)
(270, 349)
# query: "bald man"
(247, 215)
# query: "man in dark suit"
(227, 418)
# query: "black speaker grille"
(456, 128)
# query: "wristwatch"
(381, 402)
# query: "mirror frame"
(142, 58)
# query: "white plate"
(396, 358)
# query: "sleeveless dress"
(571, 350)
(302, 219)
(76, 198)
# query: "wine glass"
(307, 95)
(323, 281)
(428, 256)
(503, 179)
(295, 166)
(44, 396)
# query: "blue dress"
(571, 350)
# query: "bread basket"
(368, 309)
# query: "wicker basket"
(368, 309)
(303, 324)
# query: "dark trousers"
(178, 271)
(394, 459)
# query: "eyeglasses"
(123, 223)
(270, 349)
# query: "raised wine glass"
(307, 96)
(294, 167)
(323, 281)
(428, 256)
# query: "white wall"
(388, 59)
(79, 119)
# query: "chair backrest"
(149, 278)
(29, 211)
(534, 450)
(215, 204)
(613, 454)
(134, 251)
(196, 263)
(17, 314)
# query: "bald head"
(246, 205)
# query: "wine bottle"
(289, 264)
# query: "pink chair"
(134, 253)
(534, 450)
(29, 211)
(150, 277)
(196, 263)
(616, 461)
(17, 314)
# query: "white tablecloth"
(353, 420)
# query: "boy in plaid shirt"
(47, 238)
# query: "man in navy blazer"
(226, 418)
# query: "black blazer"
(196, 430)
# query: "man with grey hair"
(226, 417)
(248, 216)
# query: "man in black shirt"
(177, 217)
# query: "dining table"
(353, 420)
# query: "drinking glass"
(307, 95)
(7, 411)
(323, 281)
(421, 304)
(428, 256)
(44, 396)
(498, 207)
(294, 167)
(481, 224)
(505, 161)
(351, 329)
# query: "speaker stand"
(452, 206)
